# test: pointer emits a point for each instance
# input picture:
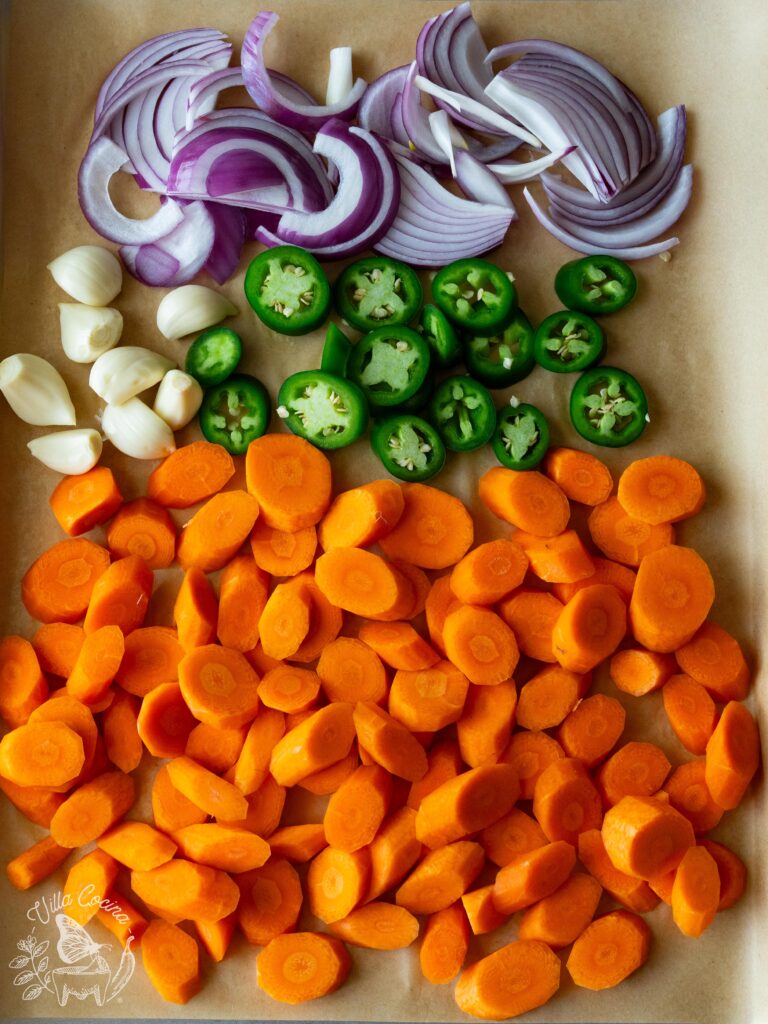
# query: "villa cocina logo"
(84, 969)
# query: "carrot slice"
(560, 918)
(530, 753)
(215, 936)
(485, 727)
(93, 808)
(361, 516)
(22, 684)
(322, 740)
(636, 769)
(434, 531)
(62, 707)
(325, 621)
(592, 729)
(512, 835)
(532, 876)
(428, 700)
(84, 501)
(281, 553)
(298, 843)
(394, 851)
(290, 479)
(672, 597)
(480, 644)
(207, 791)
(357, 808)
(399, 645)
(252, 765)
(609, 950)
(270, 901)
(327, 780)
(481, 912)
(549, 696)
(661, 489)
(528, 500)
(688, 793)
(691, 712)
(120, 596)
(191, 474)
(624, 539)
(214, 748)
(559, 559)
(362, 583)
(337, 882)
(180, 890)
(123, 919)
(289, 689)
(466, 804)
(143, 528)
(515, 979)
(195, 612)
(137, 845)
(531, 615)
(580, 476)
(732, 756)
(388, 742)
(444, 944)
(350, 671)
(565, 801)
(443, 763)
(58, 585)
(420, 584)
(165, 721)
(637, 671)
(589, 628)
(36, 803)
(695, 892)
(94, 874)
(378, 926)
(171, 961)
(222, 846)
(171, 810)
(645, 837)
(633, 892)
(606, 571)
(151, 658)
(35, 864)
(57, 645)
(714, 658)
(265, 809)
(440, 601)
(97, 664)
(302, 966)
(217, 531)
(441, 878)
(41, 754)
(489, 572)
(219, 686)
(732, 871)
(243, 590)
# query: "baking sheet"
(693, 336)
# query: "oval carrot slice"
(97, 664)
(634, 893)
(514, 834)
(57, 645)
(207, 791)
(691, 712)
(378, 926)
(480, 644)
(196, 610)
(36, 863)
(531, 615)
(217, 531)
(565, 801)
(434, 531)
(191, 474)
(289, 689)
(549, 696)
(388, 742)
(714, 658)
(695, 892)
(624, 539)
(606, 571)
(530, 753)
(86, 500)
(443, 763)
(688, 793)
(357, 808)
(439, 602)
(672, 597)
(362, 583)
(428, 700)
(325, 621)
(165, 721)
(143, 528)
(350, 671)
(282, 553)
(732, 756)
(489, 572)
(171, 960)
(637, 671)
(661, 489)
(533, 875)
(137, 845)
(528, 500)
(120, 596)
(361, 516)
(284, 622)
(58, 585)
(732, 871)
(485, 726)
(290, 479)
(302, 966)
(580, 476)
(560, 918)
(322, 740)
(93, 808)
(636, 769)
(219, 686)
(592, 729)
(444, 944)
(394, 851)
(399, 645)
(151, 658)
(337, 881)
(222, 846)
(181, 890)
(589, 628)
(609, 950)
(23, 686)
(441, 878)
(466, 804)
(270, 901)
(515, 979)
(645, 837)
(243, 591)
(41, 754)
(560, 559)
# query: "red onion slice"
(375, 110)
(179, 255)
(478, 182)
(512, 172)
(230, 227)
(489, 120)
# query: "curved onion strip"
(416, 121)
(479, 182)
(639, 252)
(102, 160)
(208, 88)
(256, 77)
(511, 172)
(179, 255)
(375, 110)
(141, 147)
(447, 136)
(489, 119)
(224, 257)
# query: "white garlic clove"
(88, 331)
(68, 451)
(124, 372)
(36, 391)
(89, 273)
(134, 429)
(191, 308)
(178, 398)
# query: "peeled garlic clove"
(124, 372)
(191, 308)
(89, 273)
(68, 451)
(178, 398)
(88, 331)
(36, 391)
(134, 429)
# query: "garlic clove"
(134, 429)
(193, 307)
(68, 451)
(178, 399)
(36, 391)
(88, 331)
(124, 372)
(89, 273)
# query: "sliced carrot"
(633, 893)
(325, 621)
(466, 804)
(689, 794)
(695, 892)
(62, 707)
(327, 780)
(289, 689)
(637, 671)
(281, 553)
(531, 615)
(434, 531)
(636, 769)
(171, 961)
(243, 591)
(120, 596)
(143, 528)
(322, 740)
(691, 712)
(485, 727)
(441, 878)
(624, 539)
(489, 572)
(444, 944)
(41, 754)
(530, 753)
(361, 516)
(549, 696)
(609, 950)
(88, 882)
(350, 671)
(215, 749)
(439, 602)
(196, 610)
(443, 763)
(430, 699)
(516, 978)
(216, 936)
(302, 966)
(420, 584)
(565, 801)
(533, 875)
(270, 901)
(93, 808)
(580, 476)
(137, 845)
(560, 918)
(732, 871)
(388, 741)
(645, 837)
(36, 863)
(672, 597)
(265, 809)
(252, 765)
(480, 644)
(357, 808)
(337, 882)
(171, 810)
(298, 843)
(217, 531)
(97, 664)
(84, 501)
(22, 684)
(290, 479)
(399, 645)
(362, 583)
(661, 489)
(592, 729)
(57, 645)
(378, 926)
(284, 621)
(512, 835)
(36, 803)
(219, 686)
(151, 658)
(165, 721)
(125, 921)
(206, 790)
(222, 846)
(606, 571)
(715, 659)
(732, 756)
(181, 890)
(120, 726)
(393, 852)
(559, 559)
(589, 628)
(261, 661)
(58, 585)
(529, 500)
(191, 474)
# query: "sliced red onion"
(478, 182)
(447, 136)
(512, 172)
(204, 92)
(489, 120)
(416, 121)
(256, 77)
(102, 160)
(230, 228)
(375, 110)
(340, 78)
(176, 258)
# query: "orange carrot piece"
(97, 664)
(516, 978)
(86, 500)
(298, 843)
(270, 901)
(430, 699)
(122, 919)
(143, 528)
(695, 892)
(322, 740)
(196, 610)
(165, 721)
(624, 539)
(215, 749)
(672, 597)
(560, 918)
(528, 500)
(290, 479)
(171, 961)
(57, 645)
(732, 756)
(606, 571)
(645, 837)
(41, 753)
(512, 835)
(399, 645)
(151, 658)
(485, 727)
(361, 516)
(689, 794)
(443, 763)
(191, 474)
(489, 572)
(441, 878)
(549, 696)
(252, 765)
(88, 882)
(62, 707)
(480, 644)
(633, 893)
(530, 753)
(420, 585)
(434, 531)
(362, 583)
(661, 489)
(637, 671)
(559, 559)
(284, 621)
(466, 804)
(289, 689)
(327, 780)
(120, 726)
(22, 684)
(171, 810)
(219, 686)
(58, 585)
(350, 671)
(609, 950)
(261, 661)
(531, 615)
(592, 729)
(265, 809)
(636, 769)
(440, 601)
(35, 864)
(181, 890)
(532, 876)
(120, 596)
(589, 628)
(715, 659)
(137, 845)
(325, 621)
(280, 553)
(216, 936)
(378, 926)
(691, 712)
(357, 808)
(206, 790)
(393, 852)
(444, 944)
(93, 808)
(217, 531)
(243, 591)
(337, 882)
(732, 871)
(302, 966)
(580, 476)
(36, 803)
(388, 742)
(481, 912)
(565, 801)
(222, 846)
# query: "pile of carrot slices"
(359, 648)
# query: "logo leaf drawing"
(31, 993)
(39, 950)
(43, 964)
(23, 979)
(18, 962)
(74, 943)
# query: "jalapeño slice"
(235, 412)
(324, 409)
(376, 291)
(567, 342)
(501, 359)
(476, 295)
(389, 364)
(463, 412)
(608, 407)
(288, 290)
(521, 437)
(408, 447)
(596, 284)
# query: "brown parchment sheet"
(695, 336)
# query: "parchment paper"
(694, 336)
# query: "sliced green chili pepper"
(608, 407)
(377, 291)
(390, 364)
(438, 333)
(498, 360)
(235, 412)
(595, 284)
(326, 410)
(408, 447)
(288, 290)
(521, 438)
(463, 412)
(476, 295)
(566, 342)
(214, 356)
(336, 351)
